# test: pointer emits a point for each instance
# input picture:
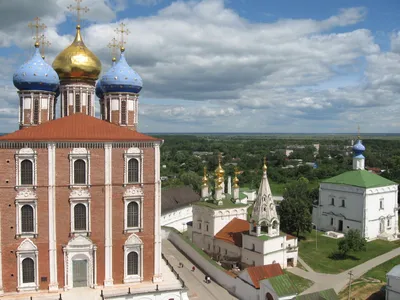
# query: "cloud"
(147, 2)
(221, 69)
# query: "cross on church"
(113, 45)
(358, 132)
(37, 27)
(44, 42)
(123, 31)
(79, 10)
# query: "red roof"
(290, 237)
(77, 127)
(259, 273)
(232, 232)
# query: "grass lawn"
(319, 259)
(379, 272)
(301, 283)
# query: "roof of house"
(258, 273)
(282, 285)
(226, 203)
(360, 178)
(77, 127)
(177, 197)
(395, 271)
(321, 295)
(232, 232)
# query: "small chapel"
(358, 199)
(222, 228)
(81, 195)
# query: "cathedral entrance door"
(79, 273)
(340, 226)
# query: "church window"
(388, 222)
(80, 217)
(102, 112)
(77, 103)
(206, 227)
(133, 214)
(133, 263)
(26, 172)
(133, 166)
(381, 204)
(133, 170)
(333, 201)
(89, 104)
(36, 110)
(275, 225)
(199, 225)
(79, 172)
(65, 102)
(79, 167)
(343, 203)
(108, 113)
(27, 219)
(21, 111)
(123, 112)
(331, 221)
(28, 270)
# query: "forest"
(183, 158)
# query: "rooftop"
(259, 273)
(232, 232)
(360, 178)
(77, 127)
(322, 295)
(227, 203)
(177, 197)
(282, 285)
(395, 271)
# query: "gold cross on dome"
(79, 10)
(219, 157)
(44, 42)
(358, 132)
(123, 31)
(113, 45)
(37, 27)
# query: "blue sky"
(234, 65)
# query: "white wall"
(393, 288)
(177, 218)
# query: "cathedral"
(81, 196)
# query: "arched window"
(133, 263)
(268, 296)
(36, 110)
(133, 214)
(77, 103)
(133, 170)
(79, 172)
(123, 112)
(28, 270)
(80, 217)
(27, 219)
(26, 172)
(89, 104)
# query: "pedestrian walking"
(208, 279)
(193, 268)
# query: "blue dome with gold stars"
(121, 78)
(36, 74)
(358, 149)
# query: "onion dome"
(36, 74)
(77, 61)
(121, 78)
(358, 148)
(99, 90)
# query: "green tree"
(353, 241)
(294, 210)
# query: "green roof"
(322, 295)
(282, 285)
(360, 178)
(227, 203)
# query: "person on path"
(193, 268)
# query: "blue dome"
(99, 90)
(358, 149)
(121, 78)
(36, 74)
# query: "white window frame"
(20, 155)
(133, 244)
(80, 196)
(76, 154)
(137, 154)
(27, 249)
(133, 194)
(25, 197)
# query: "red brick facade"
(10, 243)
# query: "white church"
(358, 199)
(221, 229)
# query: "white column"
(157, 277)
(108, 281)
(53, 285)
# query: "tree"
(353, 241)
(294, 210)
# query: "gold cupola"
(77, 62)
(219, 171)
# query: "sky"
(287, 66)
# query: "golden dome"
(219, 172)
(77, 61)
